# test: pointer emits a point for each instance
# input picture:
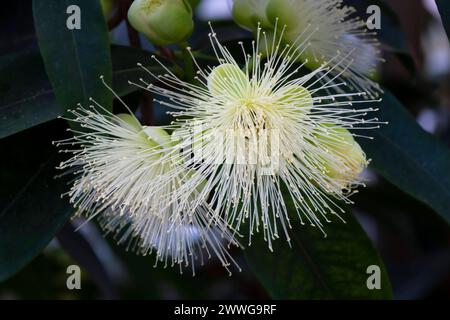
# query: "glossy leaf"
(410, 158)
(74, 58)
(391, 34)
(444, 10)
(316, 267)
(31, 208)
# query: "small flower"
(122, 177)
(330, 28)
(265, 134)
(163, 22)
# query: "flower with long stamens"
(335, 28)
(266, 134)
(122, 177)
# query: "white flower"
(265, 136)
(330, 28)
(122, 177)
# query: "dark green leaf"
(316, 267)
(444, 10)
(26, 97)
(391, 34)
(409, 157)
(31, 209)
(74, 59)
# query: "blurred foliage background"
(403, 210)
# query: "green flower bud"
(283, 11)
(158, 135)
(227, 79)
(347, 160)
(162, 21)
(248, 13)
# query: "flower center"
(252, 113)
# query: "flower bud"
(162, 21)
(248, 13)
(346, 158)
(194, 3)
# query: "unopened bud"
(162, 21)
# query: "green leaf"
(444, 10)
(74, 59)
(26, 98)
(410, 158)
(31, 208)
(318, 267)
